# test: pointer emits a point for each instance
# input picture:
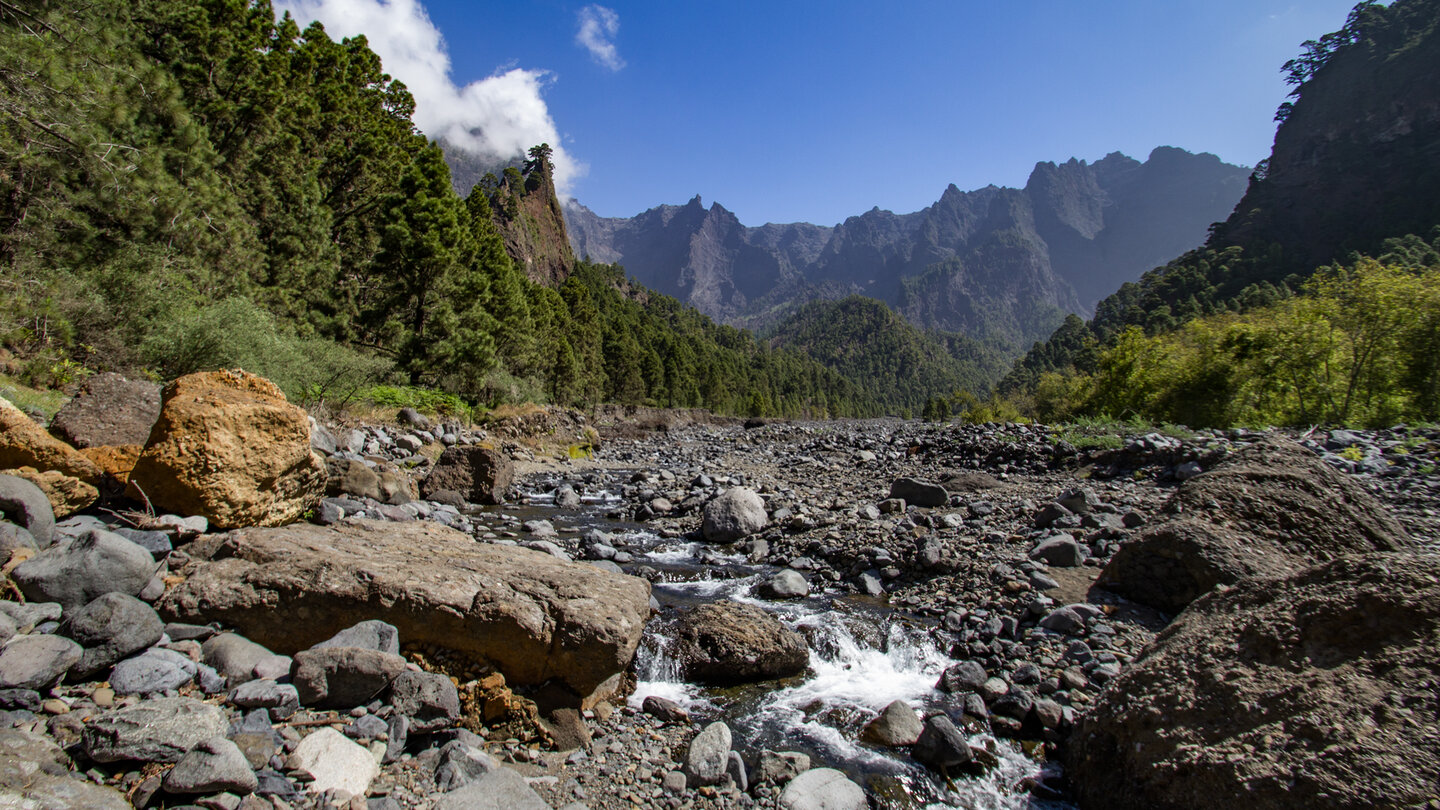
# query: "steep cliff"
(528, 214)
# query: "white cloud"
(499, 116)
(598, 27)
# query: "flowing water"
(863, 656)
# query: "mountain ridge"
(1074, 233)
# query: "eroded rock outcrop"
(1311, 690)
(1270, 510)
(536, 617)
(230, 447)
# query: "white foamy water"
(657, 673)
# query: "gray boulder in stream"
(737, 512)
(729, 642)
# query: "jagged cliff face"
(532, 224)
(1358, 158)
(1012, 260)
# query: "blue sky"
(785, 111)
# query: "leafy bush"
(237, 333)
(421, 399)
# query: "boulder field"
(405, 647)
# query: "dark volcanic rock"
(1304, 691)
(731, 642)
(1271, 509)
(480, 474)
(108, 410)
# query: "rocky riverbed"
(843, 614)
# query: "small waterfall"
(657, 672)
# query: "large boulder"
(108, 409)
(479, 474)
(918, 492)
(229, 446)
(76, 571)
(537, 617)
(1270, 510)
(732, 642)
(735, 513)
(23, 443)
(1313, 690)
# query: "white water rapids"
(861, 660)
(863, 656)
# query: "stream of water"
(863, 656)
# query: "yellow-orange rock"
(230, 447)
(115, 460)
(66, 495)
(23, 443)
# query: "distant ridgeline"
(193, 184)
(1355, 169)
(995, 264)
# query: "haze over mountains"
(994, 263)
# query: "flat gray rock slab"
(538, 618)
(37, 662)
(500, 789)
(213, 766)
(158, 730)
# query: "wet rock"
(941, 745)
(23, 504)
(786, 584)
(665, 709)
(500, 789)
(823, 789)
(730, 642)
(708, 755)
(736, 513)
(108, 409)
(76, 572)
(429, 699)
(918, 492)
(1340, 658)
(537, 617)
(212, 766)
(480, 474)
(36, 661)
(334, 763)
(342, 677)
(1270, 510)
(898, 725)
(777, 768)
(254, 466)
(966, 676)
(110, 628)
(156, 730)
